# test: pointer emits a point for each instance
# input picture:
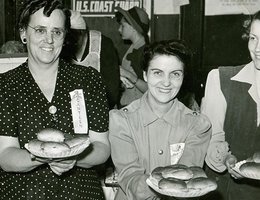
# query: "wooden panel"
(166, 27)
(192, 28)
(191, 32)
(223, 43)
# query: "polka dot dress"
(24, 111)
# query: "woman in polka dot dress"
(37, 95)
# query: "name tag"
(176, 152)
(79, 115)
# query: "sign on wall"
(227, 7)
(173, 6)
(101, 8)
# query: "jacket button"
(160, 152)
(195, 113)
(125, 109)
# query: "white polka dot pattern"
(24, 112)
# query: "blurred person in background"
(133, 27)
(12, 47)
(91, 48)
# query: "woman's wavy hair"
(179, 49)
(247, 24)
(32, 6)
(176, 48)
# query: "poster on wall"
(173, 6)
(229, 7)
(103, 8)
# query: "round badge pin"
(52, 109)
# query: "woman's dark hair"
(247, 24)
(32, 6)
(179, 49)
(176, 48)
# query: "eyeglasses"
(40, 31)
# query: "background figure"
(143, 133)
(134, 26)
(39, 94)
(232, 103)
(91, 48)
(11, 47)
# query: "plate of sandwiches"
(181, 181)
(51, 143)
(249, 168)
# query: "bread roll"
(250, 168)
(256, 157)
(181, 172)
(172, 184)
(50, 135)
(201, 183)
(35, 146)
(54, 147)
(158, 170)
(197, 172)
(77, 140)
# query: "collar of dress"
(149, 116)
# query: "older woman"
(37, 95)
(145, 134)
(232, 103)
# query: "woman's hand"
(126, 82)
(129, 75)
(61, 166)
(230, 163)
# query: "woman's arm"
(141, 85)
(13, 158)
(214, 107)
(133, 78)
(132, 175)
(97, 153)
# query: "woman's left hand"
(128, 84)
(61, 166)
(127, 74)
(230, 163)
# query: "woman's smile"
(164, 90)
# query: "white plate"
(76, 150)
(181, 194)
(246, 175)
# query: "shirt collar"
(149, 116)
(246, 74)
